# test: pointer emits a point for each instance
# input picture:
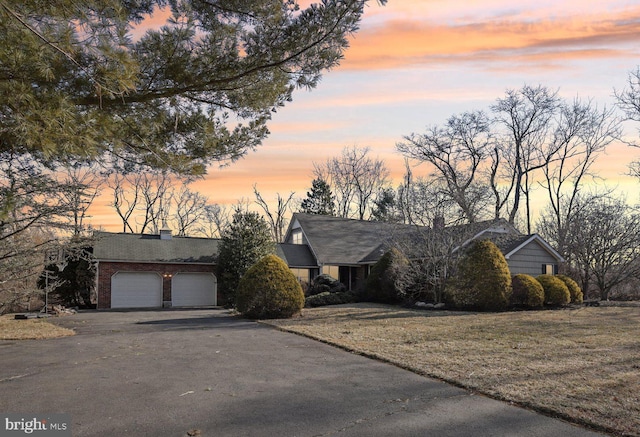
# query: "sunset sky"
(414, 63)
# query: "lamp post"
(57, 257)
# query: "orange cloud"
(408, 42)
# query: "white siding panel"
(193, 289)
(136, 290)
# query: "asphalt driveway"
(170, 372)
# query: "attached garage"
(193, 289)
(154, 271)
(136, 290)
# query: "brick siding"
(107, 269)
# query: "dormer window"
(296, 237)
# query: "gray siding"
(529, 260)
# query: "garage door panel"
(193, 289)
(136, 290)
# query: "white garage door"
(193, 289)
(136, 290)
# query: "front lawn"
(579, 364)
(31, 329)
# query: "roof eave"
(546, 246)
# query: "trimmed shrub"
(268, 290)
(556, 292)
(325, 284)
(526, 292)
(327, 298)
(482, 281)
(384, 281)
(574, 289)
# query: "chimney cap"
(165, 231)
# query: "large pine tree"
(88, 79)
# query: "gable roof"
(342, 241)
(296, 255)
(339, 241)
(510, 248)
(124, 247)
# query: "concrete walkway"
(167, 373)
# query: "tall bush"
(482, 281)
(269, 290)
(244, 242)
(556, 293)
(385, 281)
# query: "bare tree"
(216, 218)
(126, 195)
(156, 194)
(526, 115)
(502, 180)
(433, 256)
(84, 182)
(582, 134)
(190, 210)
(604, 240)
(276, 218)
(629, 101)
(456, 152)
(142, 199)
(355, 179)
(629, 98)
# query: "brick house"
(154, 271)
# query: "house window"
(296, 237)
(549, 269)
(301, 274)
(333, 271)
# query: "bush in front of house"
(269, 290)
(575, 292)
(526, 292)
(385, 281)
(328, 298)
(325, 284)
(482, 281)
(556, 293)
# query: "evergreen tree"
(319, 200)
(385, 207)
(245, 241)
(78, 83)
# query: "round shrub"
(269, 291)
(325, 284)
(482, 281)
(384, 281)
(526, 292)
(574, 289)
(555, 291)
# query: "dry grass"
(31, 329)
(579, 364)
